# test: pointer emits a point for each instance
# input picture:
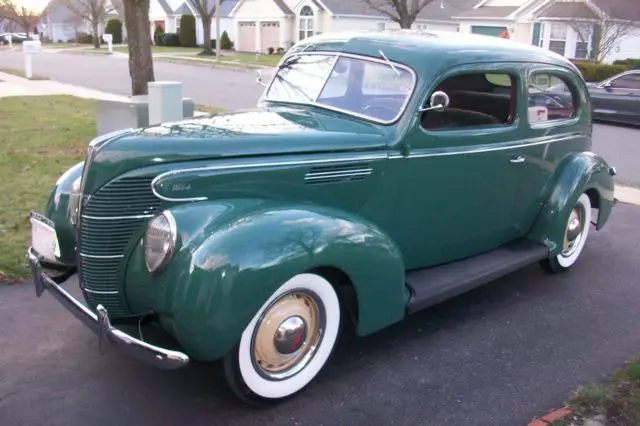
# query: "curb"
(551, 417)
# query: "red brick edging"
(548, 419)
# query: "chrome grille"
(111, 218)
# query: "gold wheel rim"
(287, 335)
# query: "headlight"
(159, 242)
(74, 201)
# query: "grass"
(204, 62)
(162, 49)
(617, 401)
(265, 60)
(40, 138)
(208, 109)
(20, 73)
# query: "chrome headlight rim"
(173, 240)
(73, 208)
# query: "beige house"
(261, 24)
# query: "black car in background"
(616, 99)
(15, 38)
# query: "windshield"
(358, 86)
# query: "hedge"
(171, 39)
(632, 64)
(158, 35)
(187, 31)
(593, 71)
(114, 27)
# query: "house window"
(177, 25)
(306, 23)
(557, 37)
(582, 49)
(381, 26)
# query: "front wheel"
(287, 342)
(575, 237)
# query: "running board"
(433, 285)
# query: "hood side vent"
(338, 173)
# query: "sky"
(35, 5)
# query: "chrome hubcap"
(573, 231)
(287, 335)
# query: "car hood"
(270, 130)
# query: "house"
(167, 13)
(261, 24)
(60, 25)
(572, 28)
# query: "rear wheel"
(575, 237)
(287, 342)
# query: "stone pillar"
(165, 102)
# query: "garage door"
(270, 35)
(247, 36)
(485, 30)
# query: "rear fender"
(234, 254)
(577, 173)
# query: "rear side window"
(550, 98)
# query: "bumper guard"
(99, 322)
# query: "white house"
(167, 13)
(59, 24)
(572, 28)
(281, 23)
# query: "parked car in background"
(15, 38)
(380, 174)
(616, 99)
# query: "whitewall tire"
(574, 238)
(287, 342)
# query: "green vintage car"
(381, 173)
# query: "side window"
(550, 98)
(475, 100)
(629, 81)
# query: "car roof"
(432, 49)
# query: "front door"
(459, 179)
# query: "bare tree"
(18, 14)
(207, 10)
(136, 20)
(610, 32)
(404, 12)
(93, 11)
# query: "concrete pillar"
(165, 102)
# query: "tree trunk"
(405, 23)
(136, 14)
(96, 36)
(206, 27)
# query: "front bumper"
(99, 322)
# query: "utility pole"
(218, 30)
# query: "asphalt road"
(237, 89)
(498, 355)
(217, 87)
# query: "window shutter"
(536, 34)
(595, 42)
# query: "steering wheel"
(380, 110)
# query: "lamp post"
(218, 30)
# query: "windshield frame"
(337, 56)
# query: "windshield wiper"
(393, 67)
(288, 62)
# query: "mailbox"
(32, 46)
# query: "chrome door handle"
(518, 159)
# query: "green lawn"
(265, 60)
(40, 138)
(20, 73)
(161, 49)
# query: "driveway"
(498, 355)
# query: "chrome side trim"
(434, 153)
(99, 292)
(337, 175)
(140, 216)
(94, 256)
(223, 166)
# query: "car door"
(458, 181)
(617, 99)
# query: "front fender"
(234, 254)
(56, 210)
(577, 173)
